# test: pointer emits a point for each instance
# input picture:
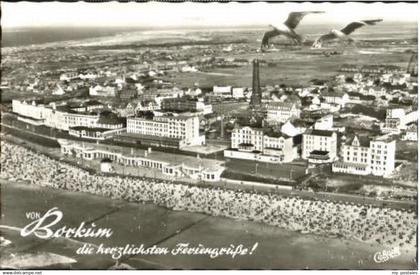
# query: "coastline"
(117, 187)
(286, 244)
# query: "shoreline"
(116, 187)
(334, 242)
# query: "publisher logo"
(386, 255)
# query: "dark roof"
(180, 99)
(128, 93)
(107, 117)
(315, 132)
(106, 160)
(318, 152)
(364, 141)
(269, 132)
(81, 128)
(148, 137)
(246, 144)
(92, 103)
(336, 93)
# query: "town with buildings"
(309, 140)
(304, 127)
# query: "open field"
(290, 68)
(267, 170)
(406, 150)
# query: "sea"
(16, 37)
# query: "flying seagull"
(287, 28)
(344, 33)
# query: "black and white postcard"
(212, 136)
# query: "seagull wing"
(372, 22)
(358, 24)
(352, 27)
(326, 37)
(295, 17)
(268, 35)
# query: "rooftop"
(81, 128)
(364, 141)
(172, 159)
(315, 132)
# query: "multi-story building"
(238, 92)
(361, 155)
(147, 105)
(281, 112)
(411, 132)
(382, 156)
(183, 128)
(186, 105)
(69, 76)
(223, 91)
(30, 112)
(261, 145)
(248, 138)
(355, 157)
(396, 120)
(335, 97)
(63, 117)
(319, 146)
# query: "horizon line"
(180, 25)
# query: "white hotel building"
(280, 112)
(363, 156)
(184, 128)
(319, 146)
(49, 115)
(256, 144)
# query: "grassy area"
(265, 170)
(287, 66)
(30, 137)
(246, 177)
(406, 150)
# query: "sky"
(153, 14)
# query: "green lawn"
(265, 170)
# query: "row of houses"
(318, 144)
(398, 120)
(171, 130)
(88, 124)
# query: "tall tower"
(256, 90)
(412, 67)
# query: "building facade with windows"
(61, 117)
(365, 156)
(280, 112)
(186, 105)
(319, 146)
(185, 128)
(171, 166)
(260, 145)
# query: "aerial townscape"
(310, 131)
